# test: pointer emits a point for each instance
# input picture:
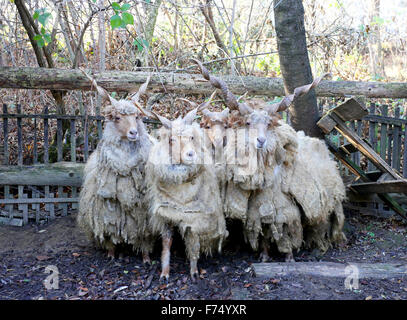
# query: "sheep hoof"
(164, 278)
(146, 260)
(110, 254)
(264, 257)
(289, 257)
(194, 277)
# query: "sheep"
(183, 192)
(263, 190)
(112, 208)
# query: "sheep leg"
(264, 255)
(193, 250)
(289, 257)
(165, 254)
(110, 247)
(146, 258)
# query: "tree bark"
(294, 63)
(374, 42)
(73, 79)
(43, 56)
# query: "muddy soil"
(85, 272)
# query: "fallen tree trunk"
(56, 174)
(331, 269)
(64, 79)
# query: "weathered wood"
(351, 109)
(331, 269)
(46, 138)
(357, 171)
(383, 134)
(5, 135)
(73, 79)
(25, 201)
(396, 143)
(396, 186)
(11, 222)
(59, 140)
(35, 148)
(19, 138)
(364, 147)
(372, 134)
(58, 174)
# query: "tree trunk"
(374, 42)
(73, 79)
(294, 63)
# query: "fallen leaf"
(203, 271)
(120, 289)
(82, 293)
(42, 258)
(247, 285)
(368, 298)
(76, 254)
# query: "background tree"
(294, 63)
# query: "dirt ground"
(86, 273)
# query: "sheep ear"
(245, 109)
(225, 113)
(141, 91)
(206, 112)
(165, 122)
(190, 116)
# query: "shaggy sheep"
(183, 192)
(267, 171)
(112, 208)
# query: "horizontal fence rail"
(43, 156)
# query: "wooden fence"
(40, 177)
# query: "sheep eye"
(192, 138)
(248, 123)
(207, 127)
(116, 118)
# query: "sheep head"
(256, 115)
(182, 139)
(215, 125)
(123, 117)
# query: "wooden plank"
(396, 143)
(35, 148)
(364, 148)
(331, 269)
(351, 109)
(24, 201)
(396, 186)
(59, 141)
(19, 137)
(85, 140)
(383, 134)
(58, 174)
(356, 170)
(50, 116)
(326, 123)
(385, 119)
(11, 222)
(73, 141)
(46, 138)
(5, 135)
(372, 133)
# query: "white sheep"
(112, 208)
(272, 184)
(183, 192)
